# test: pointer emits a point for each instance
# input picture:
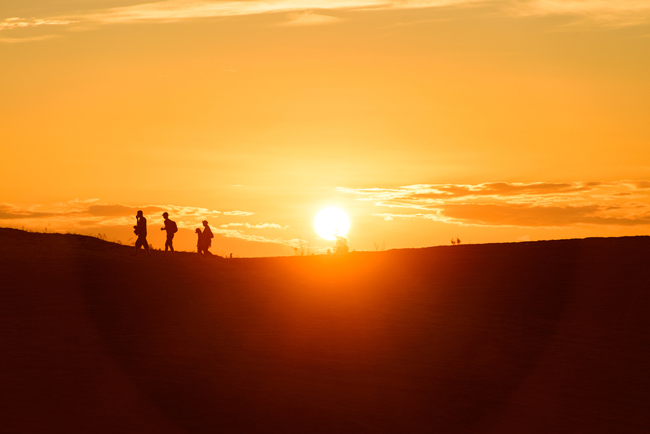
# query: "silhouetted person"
(141, 232)
(200, 242)
(171, 229)
(207, 236)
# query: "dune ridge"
(533, 337)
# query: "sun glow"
(331, 222)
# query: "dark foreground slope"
(546, 337)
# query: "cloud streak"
(19, 23)
(256, 226)
(613, 12)
(175, 10)
(179, 10)
(309, 12)
(310, 19)
(539, 204)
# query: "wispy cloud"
(312, 12)
(232, 233)
(254, 226)
(310, 19)
(303, 11)
(238, 213)
(12, 212)
(610, 12)
(539, 204)
(18, 23)
(172, 10)
(92, 212)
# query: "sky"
(425, 120)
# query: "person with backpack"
(207, 237)
(171, 228)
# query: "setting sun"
(331, 222)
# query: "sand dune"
(543, 337)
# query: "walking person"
(141, 232)
(207, 237)
(200, 243)
(171, 228)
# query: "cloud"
(17, 23)
(612, 12)
(238, 213)
(174, 10)
(546, 216)
(92, 212)
(257, 226)
(12, 212)
(538, 204)
(423, 196)
(178, 10)
(310, 12)
(232, 233)
(115, 210)
(310, 19)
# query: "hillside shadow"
(489, 339)
(402, 341)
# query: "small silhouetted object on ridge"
(171, 228)
(140, 229)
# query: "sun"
(330, 222)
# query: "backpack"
(173, 226)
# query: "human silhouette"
(171, 228)
(207, 237)
(200, 242)
(140, 229)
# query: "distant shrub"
(302, 249)
(341, 246)
(380, 247)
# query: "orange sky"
(493, 121)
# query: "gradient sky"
(491, 121)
